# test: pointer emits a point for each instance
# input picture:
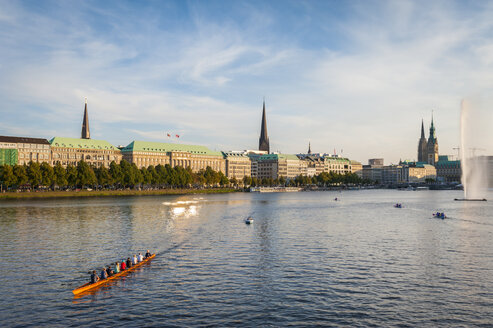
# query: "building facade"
(238, 165)
(448, 170)
(357, 168)
(146, 153)
(22, 150)
(337, 165)
(94, 152)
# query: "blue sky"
(351, 75)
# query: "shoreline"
(110, 193)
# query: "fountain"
(474, 177)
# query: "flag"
(177, 136)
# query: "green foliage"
(60, 175)
(34, 174)
(85, 174)
(20, 172)
(7, 177)
(71, 175)
(47, 174)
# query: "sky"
(356, 77)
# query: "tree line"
(126, 175)
(323, 179)
(123, 175)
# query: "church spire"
(85, 124)
(263, 143)
(432, 129)
(309, 148)
(423, 129)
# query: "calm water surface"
(306, 261)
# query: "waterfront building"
(374, 170)
(263, 143)
(448, 170)
(22, 150)
(392, 174)
(279, 165)
(417, 172)
(357, 168)
(337, 165)
(146, 153)
(314, 163)
(238, 164)
(94, 152)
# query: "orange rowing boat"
(89, 286)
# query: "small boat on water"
(398, 205)
(249, 220)
(90, 286)
(439, 215)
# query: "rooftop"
(24, 140)
(81, 143)
(162, 147)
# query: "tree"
(103, 176)
(282, 181)
(233, 181)
(247, 181)
(71, 175)
(223, 180)
(85, 174)
(47, 174)
(34, 174)
(60, 175)
(116, 173)
(7, 177)
(20, 172)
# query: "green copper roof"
(277, 157)
(161, 147)
(81, 143)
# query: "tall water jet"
(474, 176)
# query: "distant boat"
(439, 215)
(249, 220)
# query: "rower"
(134, 260)
(140, 257)
(104, 274)
(129, 263)
(123, 265)
(117, 267)
(148, 254)
(109, 271)
(94, 277)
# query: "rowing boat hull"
(90, 286)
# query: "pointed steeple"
(85, 124)
(309, 148)
(422, 145)
(432, 130)
(263, 143)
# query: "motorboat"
(249, 220)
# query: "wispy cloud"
(353, 76)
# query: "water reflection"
(306, 260)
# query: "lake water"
(307, 260)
